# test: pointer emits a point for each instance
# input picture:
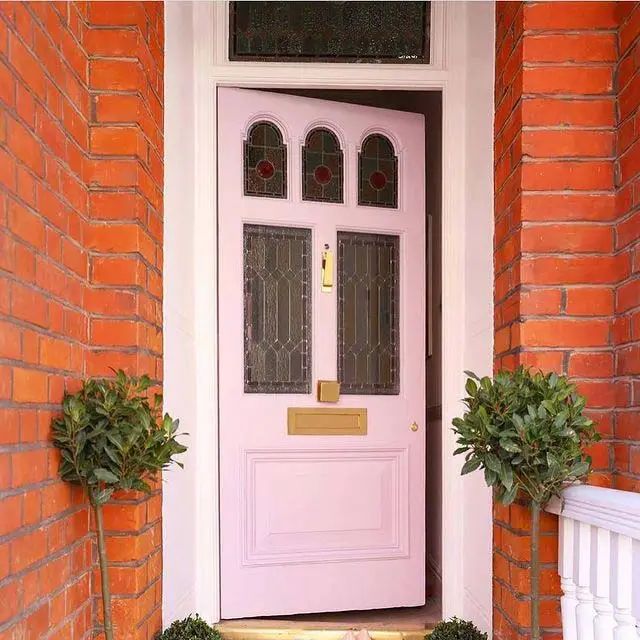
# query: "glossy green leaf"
(470, 465)
(105, 476)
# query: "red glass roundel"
(265, 169)
(378, 180)
(322, 174)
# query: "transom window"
(378, 31)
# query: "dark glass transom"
(378, 173)
(265, 162)
(368, 31)
(322, 171)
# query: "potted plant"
(456, 629)
(527, 432)
(190, 628)
(112, 436)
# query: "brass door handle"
(413, 426)
(326, 275)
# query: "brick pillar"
(45, 545)
(627, 244)
(81, 150)
(556, 268)
(124, 172)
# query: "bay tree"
(527, 433)
(111, 437)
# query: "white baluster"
(623, 576)
(568, 601)
(604, 622)
(585, 612)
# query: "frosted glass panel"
(277, 309)
(368, 305)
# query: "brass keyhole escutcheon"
(413, 426)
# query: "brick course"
(566, 262)
(81, 148)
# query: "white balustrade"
(585, 611)
(568, 601)
(599, 563)
(604, 622)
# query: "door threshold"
(230, 631)
(412, 623)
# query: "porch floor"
(410, 623)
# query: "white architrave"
(191, 510)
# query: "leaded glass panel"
(277, 309)
(377, 173)
(322, 175)
(265, 162)
(368, 313)
(378, 31)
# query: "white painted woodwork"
(585, 611)
(623, 575)
(196, 66)
(604, 622)
(599, 561)
(568, 601)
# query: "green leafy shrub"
(527, 433)
(456, 629)
(111, 436)
(190, 629)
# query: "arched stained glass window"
(378, 173)
(322, 175)
(265, 162)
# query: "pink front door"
(320, 521)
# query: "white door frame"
(196, 65)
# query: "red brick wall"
(627, 244)
(567, 255)
(80, 290)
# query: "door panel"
(320, 522)
(326, 519)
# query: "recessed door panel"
(347, 505)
